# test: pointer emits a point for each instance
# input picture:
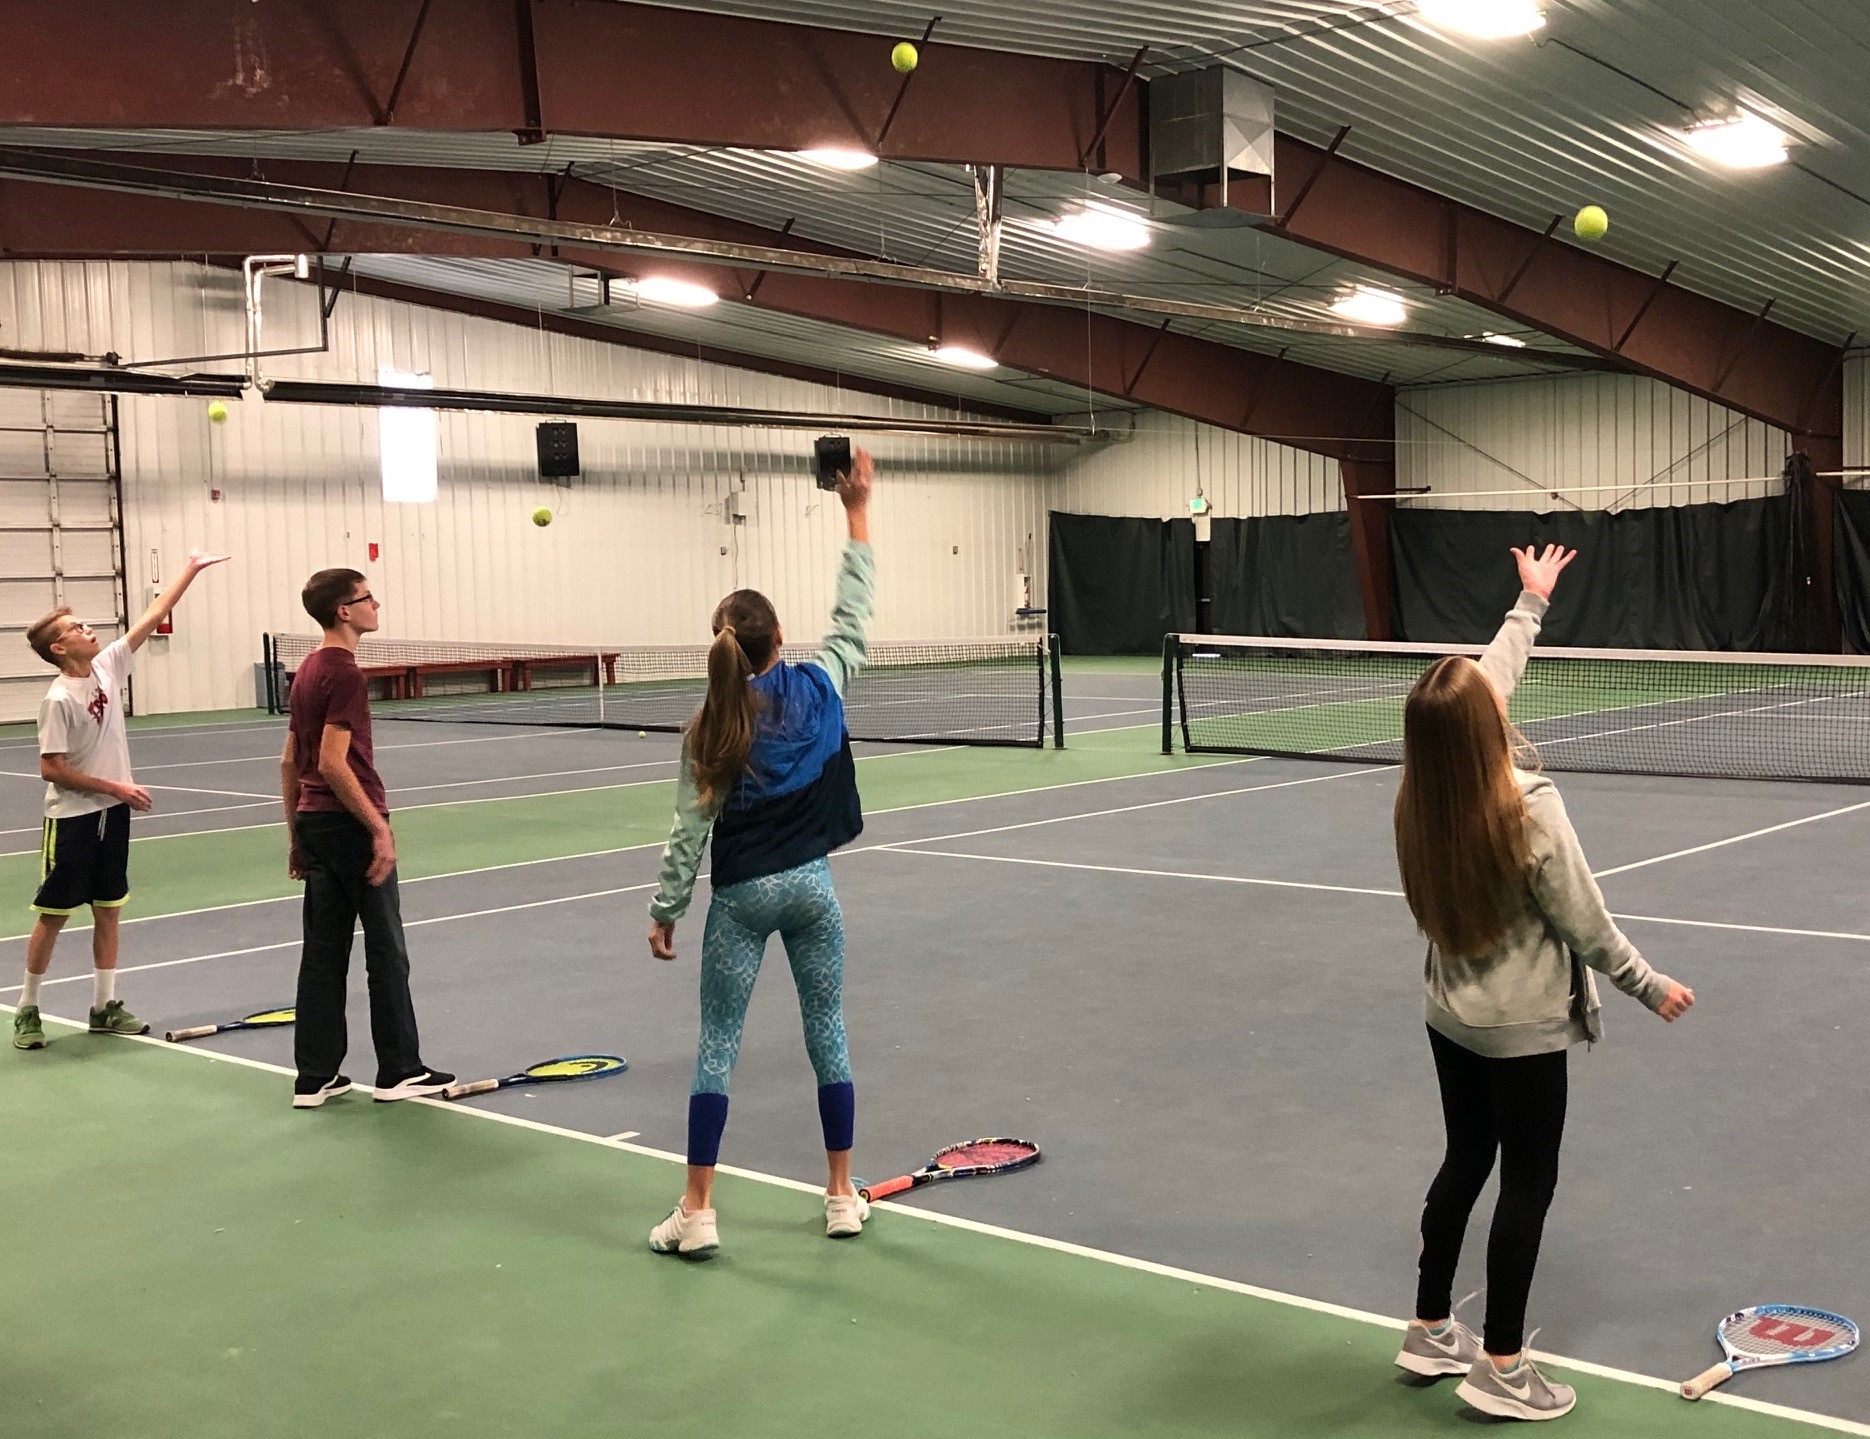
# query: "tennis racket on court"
(265, 1019)
(961, 1161)
(551, 1071)
(1772, 1334)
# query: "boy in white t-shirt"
(84, 757)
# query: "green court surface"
(192, 1259)
(195, 871)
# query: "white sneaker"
(845, 1215)
(693, 1236)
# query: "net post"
(1168, 694)
(267, 687)
(1058, 693)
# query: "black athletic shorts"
(85, 860)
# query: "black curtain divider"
(1676, 577)
(1118, 585)
(1851, 559)
(1289, 576)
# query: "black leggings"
(1515, 1106)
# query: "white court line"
(294, 943)
(912, 846)
(162, 731)
(1036, 1241)
(379, 749)
(172, 788)
(1153, 804)
(650, 844)
(1736, 839)
(627, 1134)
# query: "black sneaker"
(310, 1093)
(422, 1083)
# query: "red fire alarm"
(376, 551)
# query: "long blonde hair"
(1460, 820)
(720, 736)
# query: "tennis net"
(995, 691)
(1667, 712)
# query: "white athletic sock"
(29, 992)
(103, 987)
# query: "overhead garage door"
(61, 528)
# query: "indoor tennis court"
(1181, 1047)
(1086, 521)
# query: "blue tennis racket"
(1772, 1334)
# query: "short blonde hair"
(46, 633)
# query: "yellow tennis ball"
(217, 412)
(542, 517)
(1592, 223)
(904, 57)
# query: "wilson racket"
(1772, 1334)
(962, 1161)
(551, 1071)
(265, 1019)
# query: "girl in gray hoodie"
(1494, 875)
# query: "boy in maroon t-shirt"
(340, 844)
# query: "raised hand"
(1539, 573)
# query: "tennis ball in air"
(217, 412)
(542, 517)
(1592, 223)
(904, 57)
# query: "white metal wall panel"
(1857, 411)
(639, 551)
(1536, 436)
(1156, 472)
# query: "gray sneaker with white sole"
(1453, 1351)
(1521, 1392)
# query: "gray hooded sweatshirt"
(1534, 991)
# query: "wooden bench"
(494, 669)
(523, 668)
(397, 677)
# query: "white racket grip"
(462, 1091)
(176, 1036)
(1707, 1380)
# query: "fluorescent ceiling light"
(1512, 342)
(963, 357)
(659, 290)
(1368, 306)
(1744, 142)
(1102, 227)
(834, 159)
(1483, 19)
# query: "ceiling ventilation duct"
(1212, 127)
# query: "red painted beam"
(666, 345)
(1300, 405)
(1726, 354)
(1370, 538)
(630, 72)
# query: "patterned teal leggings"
(801, 906)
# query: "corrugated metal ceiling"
(1528, 129)
(924, 215)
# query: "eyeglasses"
(366, 598)
(77, 627)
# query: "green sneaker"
(113, 1018)
(28, 1033)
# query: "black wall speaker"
(558, 450)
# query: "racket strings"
(985, 1152)
(1786, 1331)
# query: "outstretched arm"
(169, 598)
(844, 650)
(1504, 660)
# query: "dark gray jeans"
(335, 850)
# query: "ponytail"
(720, 737)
